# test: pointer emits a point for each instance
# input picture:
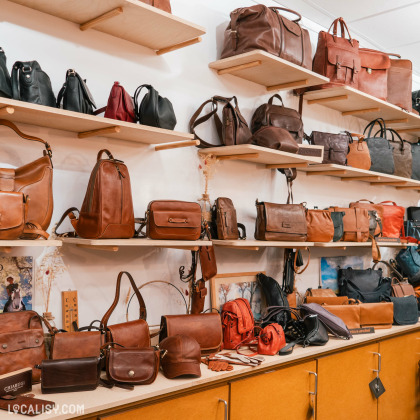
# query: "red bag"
(271, 340)
(392, 220)
(237, 323)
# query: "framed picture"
(225, 287)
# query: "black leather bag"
(405, 310)
(413, 213)
(31, 84)
(381, 152)
(75, 95)
(415, 99)
(154, 110)
(337, 218)
(415, 166)
(5, 80)
(368, 279)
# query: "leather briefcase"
(280, 222)
(320, 226)
(355, 224)
(172, 219)
(336, 146)
(206, 329)
(400, 83)
(263, 28)
(358, 155)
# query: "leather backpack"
(224, 221)
(263, 28)
(5, 80)
(107, 210)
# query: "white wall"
(184, 77)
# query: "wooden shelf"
(263, 155)
(361, 244)
(130, 20)
(6, 246)
(266, 69)
(87, 125)
(347, 173)
(114, 244)
(350, 101)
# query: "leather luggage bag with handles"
(275, 138)
(100, 217)
(225, 221)
(164, 5)
(320, 226)
(232, 129)
(278, 116)
(337, 57)
(5, 80)
(237, 323)
(263, 28)
(22, 342)
(336, 146)
(400, 83)
(403, 158)
(280, 222)
(132, 333)
(358, 155)
(355, 224)
(392, 219)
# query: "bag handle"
(142, 312)
(389, 54)
(393, 270)
(299, 16)
(365, 199)
(195, 122)
(388, 201)
(343, 27)
(136, 96)
(101, 152)
(69, 212)
(380, 122)
(276, 95)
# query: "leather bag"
(154, 110)
(31, 84)
(263, 28)
(412, 229)
(133, 334)
(337, 57)
(22, 342)
(232, 129)
(402, 155)
(280, 222)
(375, 215)
(326, 300)
(413, 213)
(237, 323)
(415, 101)
(367, 278)
(70, 375)
(164, 5)
(405, 310)
(400, 83)
(415, 168)
(75, 94)
(336, 146)
(402, 288)
(206, 329)
(359, 155)
(392, 219)
(355, 224)
(5, 80)
(320, 292)
(337, 219)
(207, 262)
(275, 138)
(100, 217)
(409, 261)
(270, 115)
(320, 226)
(225, 221)
(198, 298)
(271, 340)
(13, 211)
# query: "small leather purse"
(402, 288)
(320, 226)
(271, 340)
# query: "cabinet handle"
(379, 363)
(315, 392)
(226, 408)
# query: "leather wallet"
(26, 405)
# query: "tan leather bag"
(280, 222)
(371, 207)
(355, 223)
(400, 83)
(13, 211)
(359, 155)
(320, 226)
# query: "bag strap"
(376, 251)
(136, 96)
(142, 311)
(299, 16)
(241, 227)
(388, 201)
(295, 268)
(69, 212)
(15, 79)
(101, 152)
(393, 270)
(34, 228)
(195, 122)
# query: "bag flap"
(244, 314)
(11, 210)
(86, 92)
(21, 340)
(17, 321)
(292, 27)
(83, 343)
(174, 205)
(285, 218)
(401, 63)
(376, 313)
(131, 334)
(321, 293)
(374, 60)
(350, 314)
(177, 219)
(405, 310)
(287, 118)
(7, 179)
(344, 57)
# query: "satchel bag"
(409, 261)
(379, 148)
(336, 146)
(337, 57)
(405, 310)
(375, 215)
(355, 224)
(154, 110)
(120, 105)
(75, 94)
(337, 219)
(206, 329)
(263, 28)
(358, 155)
(275, 138)
(225, 221)
(271, 340)
(100, 217)
(280, 222)
(70, 375)
(23, 344)
(400, 83)
(132, 333)
(232, 129)
(320, 226)
(164, 5)
(31, 84)
(415, 168)
(392, 219)
(270, 115)
(402, 155)
(5, 80)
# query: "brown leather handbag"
(131, 333)
(100, 216)
(164, 5)
(400, 83)
(355, 223)
(263, 28)
(278, 116)
(275, 138)
(280, 222)
(225, 221)
(337, 57)
(336, 146)
(402, 288)
(232, 129)
(22, 342)
(320, 226)
(358, 155)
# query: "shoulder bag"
(320, 226)
(368, 278)
(355, 224)
(5, 80)
(271, 340)
(402, 288)
(409, 261)
(400, 83)
(336, 146)
(392, 219)
(358, 155)
(224, 221)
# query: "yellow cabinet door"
(400, 376)
(343, 385)
(282, 394)
(204, 405)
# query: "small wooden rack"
(7, 246)
(268, 70)
(131, 20)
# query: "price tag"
(377, 387)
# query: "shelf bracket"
(408, 130)
(238, 157)
(360, 111)
(390, 183)
(287, 165)
(245, 66)
(409, 187)
(6, 249)
(109, 248)
(182, 248)
(289, 85)
(178, 46)
(187, 143)
(400, 121)
(95, 21)
(99, 132)
(7, 110)
(330, 99)
(362, 178)
(338, 172)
